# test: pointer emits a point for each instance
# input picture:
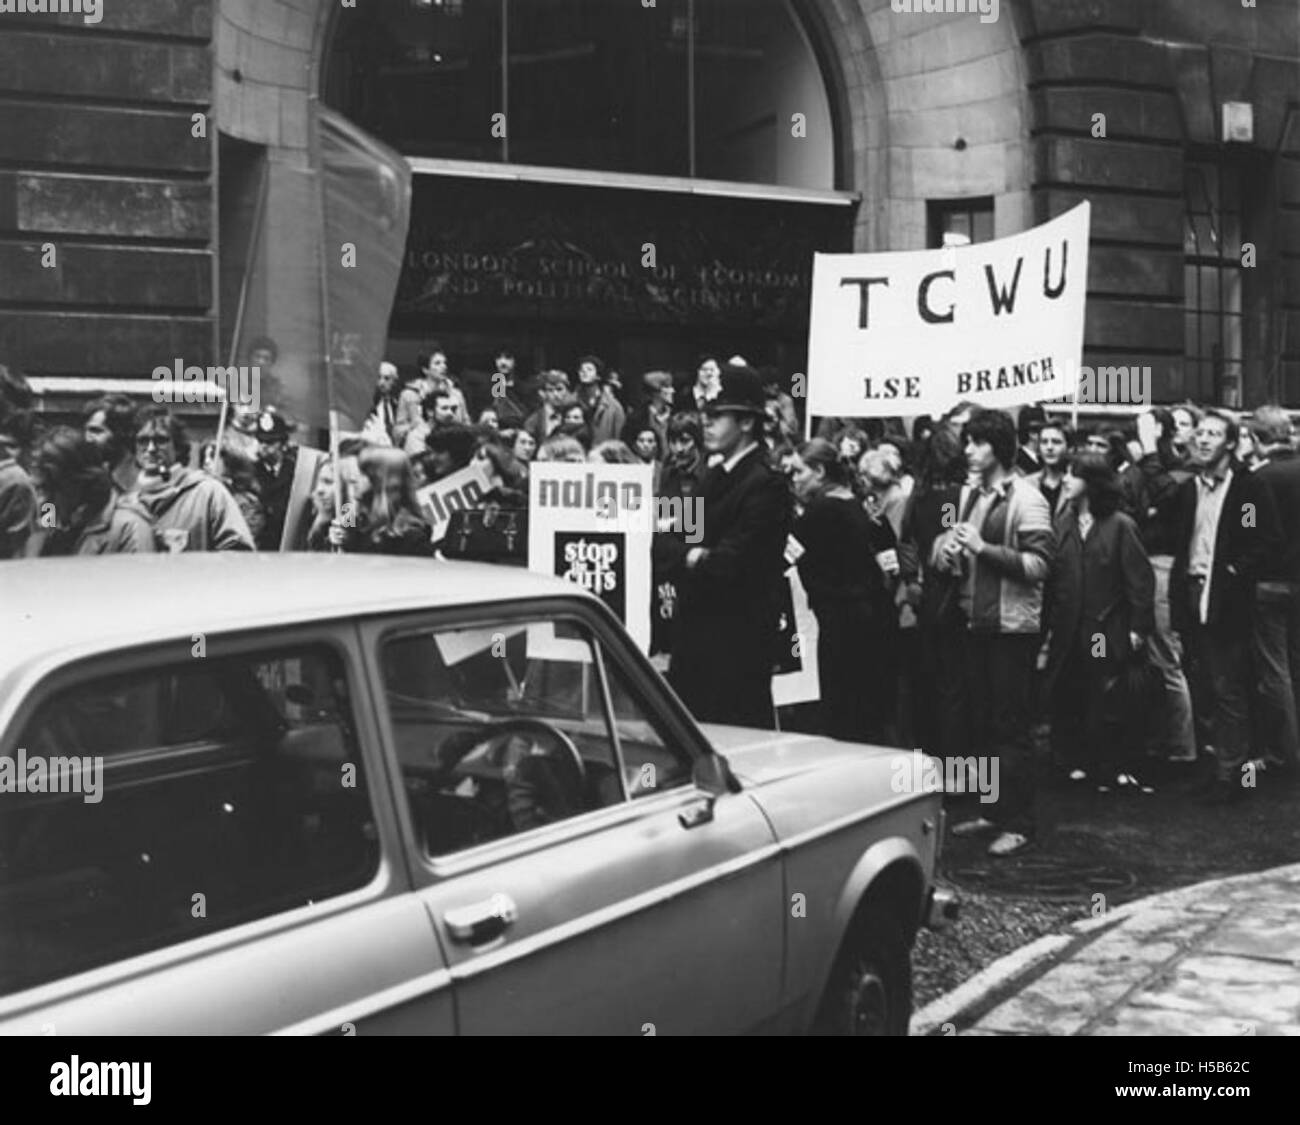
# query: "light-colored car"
(332, 794)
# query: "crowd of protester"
(1134, 590)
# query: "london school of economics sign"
(540, 251)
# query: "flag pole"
(317, 167)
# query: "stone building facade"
(1127, 103)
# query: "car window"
(651, 762)
(498, 730)
(161, 805)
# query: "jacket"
(1100, 585)
(729, 603)
(1281, 473)
(1062, 500)
(1247, 536)
(194, 512)
(606, 417)
(17, 506)
(1017, 559)
(121, 527)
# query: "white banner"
(461, 491)
(996, 323)
(796, 679)
(592, 524)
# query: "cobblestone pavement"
(1216, 958)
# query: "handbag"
(490, 534)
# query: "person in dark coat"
(729, 583)
(1226, 528)
(838, 545)
(1103, 611)
(277, 458)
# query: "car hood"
(761, 756)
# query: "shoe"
(1008, 844)
(976, 827)
(1078, 775)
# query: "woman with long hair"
(385, 517)
(837, 545)
(1102, 612)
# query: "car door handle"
(481, 921)
(697, 813)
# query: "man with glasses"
(191, 510)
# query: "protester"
(1170, 733)
(837, 548)
(1186, 418)
(488, 420)
(553, 389)
(613, 453)
(17, 494)
(929, 591)
(653, 414)
(387, 518)
(523, 445)
(384, 405)
(438, 411)
(510, 409)
(237, 471)
(729, 585)
(1102, 612)
(109, 423)
(1226, 529)
(1029, 426)
(1054, 459)
(1276, 640)
(605, 416)
(561, 447)
(708, 375)
(448, 449)
(780, 406)
(277, 460)
(853, 443)
(1001, 549)
(89, 516)
(191, 511)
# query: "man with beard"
(277, 458)
(191, 510)
(729, 584)
(109, 424)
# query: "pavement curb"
(1036, 958)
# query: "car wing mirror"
(712, 773)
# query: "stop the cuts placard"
(592, 525)
(996, 323)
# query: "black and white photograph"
(903, 640)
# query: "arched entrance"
(645, 183)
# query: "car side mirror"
(712, 773)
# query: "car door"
(227, 860)
(637, 903)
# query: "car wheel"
(870, 990)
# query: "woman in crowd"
(386, 514)
(929, 589)
(648, 451)
(614, 453)
(89, 517)
(653, 414)
(521, 444)
(1102, 611)
(562, 447)
(837, 545)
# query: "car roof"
(50, 607)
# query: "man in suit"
(729, 585)
(1226, 527)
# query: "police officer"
(729, 583)
(276, 460)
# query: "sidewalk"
(1216, 958)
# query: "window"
(962, 221)
(506, 729)
(681, 88)
(206, 795)
(1212, 282)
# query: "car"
(332, 794)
